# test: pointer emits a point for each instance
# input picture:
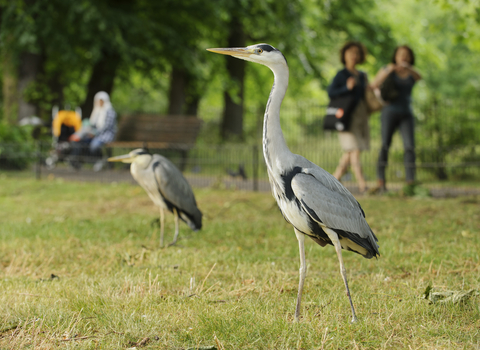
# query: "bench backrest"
(156, 128)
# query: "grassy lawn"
(233, 284)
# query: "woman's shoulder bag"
(339, 113)
(388, 89)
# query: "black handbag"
(339, 113)
(388, 89)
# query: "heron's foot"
(172, 244)
(354, 319)
(298, 315)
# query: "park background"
(150, 56)
(80, 261)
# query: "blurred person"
(398, 113)
(97, 131)
(357, 139)
(65, 124)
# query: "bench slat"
(178, 132)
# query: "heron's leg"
(175, 213)
(303, 272)
(162, 225)
(338, 247)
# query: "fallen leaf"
(449, 296)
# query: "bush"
(16, 146)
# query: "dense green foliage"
(139, 49)
(80, 267)
(150, 37)
(16, 146)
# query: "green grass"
(233, 284)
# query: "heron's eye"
(258, 51)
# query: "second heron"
(166, 187)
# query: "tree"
(232, 118)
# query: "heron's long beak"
(126, 158)
(233, 51)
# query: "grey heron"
(310, 198)
(166, 187)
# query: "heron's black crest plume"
(266, 47)
(270, 48)
(145, 147)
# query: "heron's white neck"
(274, 145)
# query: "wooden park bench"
(157, 132)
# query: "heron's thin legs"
(175, 213)
(162, 225)
(338, 247)
(303, 272)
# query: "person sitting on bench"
(97, 131)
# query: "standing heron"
(310, 198)
(166, 187)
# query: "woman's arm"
(415, 74)
(382, 75)
(339, 86)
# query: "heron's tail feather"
(367, 247)
(193, 220)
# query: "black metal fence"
(447, 148)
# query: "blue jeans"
(391, 121)
(96, 147)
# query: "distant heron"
(166, 187)
(310, 198)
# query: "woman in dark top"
(357, 139)
(398, 114)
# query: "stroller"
(65, 124)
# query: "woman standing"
(398, 114)
(352, 81)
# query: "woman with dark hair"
(397, 113)
(357, 139)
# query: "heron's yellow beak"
(233, 51)
(126, 158)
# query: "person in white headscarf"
(99, 130)
(102, 121)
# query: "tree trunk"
(30, 66)
(56, 88)
(184, 97)
(232, 119)
(193, 94)
(101, 79)
(176, 95)
(192, 105)
(9, 88)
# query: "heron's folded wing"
(335, 208)
(173, 186)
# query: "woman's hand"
(74, 138)
(351, 82)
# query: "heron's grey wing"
(327, 201)
(173, 185)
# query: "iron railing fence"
(442, 124)
(447, 148)
(242, 166)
